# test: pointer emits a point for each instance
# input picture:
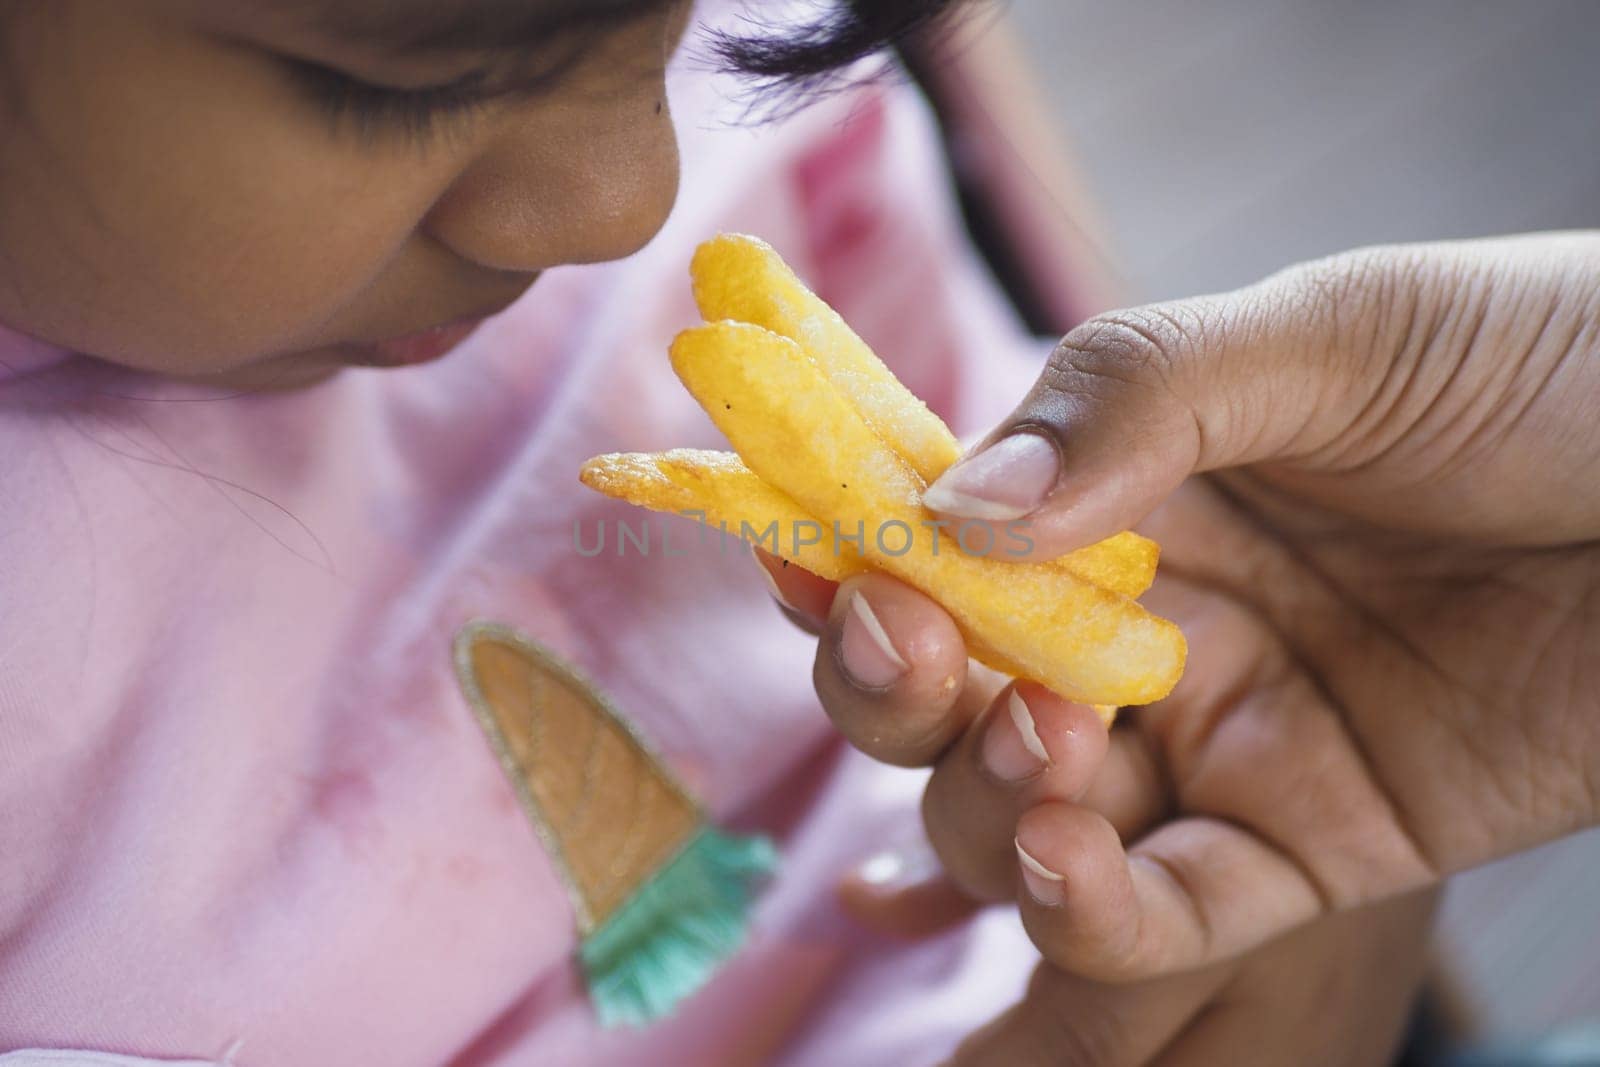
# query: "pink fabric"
(243, 805)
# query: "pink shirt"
(245, 811)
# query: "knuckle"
(1373, 318)
(1142, 360)
(1342, 281)
(1356, 299)
(1138, 347)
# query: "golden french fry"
(1124, 563)
(805, 438)
(720, 491)
(725, 494)
(743, 279)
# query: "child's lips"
(426, 345)
(420, 347)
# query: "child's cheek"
(184, 210)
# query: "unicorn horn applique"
(661, 898)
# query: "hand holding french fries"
(1387, 541)
(828, 440)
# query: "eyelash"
(376, 109)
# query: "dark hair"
(790, 65)
(789, 52)
(843, 33)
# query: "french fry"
(724, 493)
(804, 437)
(743, 279)
(833, 440)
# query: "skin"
(1372, 478)
(188, 211)
(227, 230)
(1336, 990)
(1333, 993)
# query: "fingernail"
(1012, 750)
(864, 647)
(1044, 885)
(772, 583)
(1007, 480)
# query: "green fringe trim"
(669, 938)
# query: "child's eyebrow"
(457, 25)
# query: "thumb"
(1133, 402)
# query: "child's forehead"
(451, 24)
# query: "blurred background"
(1174, 147)
(1223, 139)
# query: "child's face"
(178, 194)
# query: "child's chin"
(295, 371)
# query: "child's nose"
(580, 190)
